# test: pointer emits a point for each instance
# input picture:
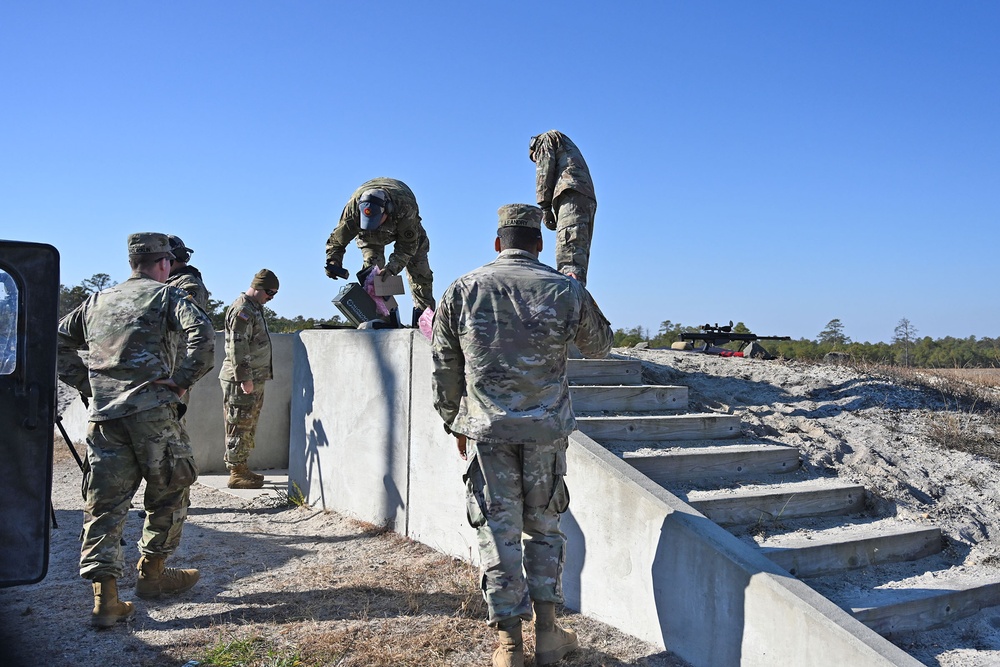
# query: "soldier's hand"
(461, 441)
(173, 386)
(549, 218)
(335, 270)
(247, 386)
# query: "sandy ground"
(300, 583)
(283, 586)
(870, 429)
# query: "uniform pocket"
(183, 469)
(475, 503)
(86, 477)
(559, 502)
(183, 472)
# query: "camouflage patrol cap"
(520, 215)
(145, 245)
(181, 252)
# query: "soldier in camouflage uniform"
(500, 343)
(188, 278)
(380, 212)
(246, 368)
(131, 332)
(565, 192)
(185, 276)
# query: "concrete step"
(749, 505)
(926, 604)
(604, 371)
(628, 398)
(679, 464)
(661, 427)
(819, 553)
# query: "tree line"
(905, 349)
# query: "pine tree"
(905, 334)
(833, 334)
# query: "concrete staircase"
(818, 529)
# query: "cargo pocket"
(474, 501)
(183, 469)
(86, 477)
(559, 502)
(560, 496)
(183, 472)
(239, 409)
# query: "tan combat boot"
(241, 477)
(510, 653)
(551, 641)
(156, 580)
(108, 609)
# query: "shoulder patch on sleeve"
(243, 315)
(409, 234)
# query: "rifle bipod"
(79, 462)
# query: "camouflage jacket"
(559, 166)
(500, 341)
(189, 279)
(131, 333)
(248, 343)
(402, 227)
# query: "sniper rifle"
(714, 336)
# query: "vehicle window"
(8, 323)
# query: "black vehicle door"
(29, 317)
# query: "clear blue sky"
(776, 163)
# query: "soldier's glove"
(390, 270)
(335, 270)
(549, 218)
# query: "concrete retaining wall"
(204, 420)
(365, 441)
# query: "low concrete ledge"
(365, 441)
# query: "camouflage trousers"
(242, 411)
(515, 494)
(574, 229)
(418, 270)
(149, 445)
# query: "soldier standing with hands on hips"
(134, 383)
(499, 348)
(380, 212)
(246, 368)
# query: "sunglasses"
(270, 292)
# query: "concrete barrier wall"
(365, 441)
(204, 419)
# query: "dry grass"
(286, 586)
(967, 416)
